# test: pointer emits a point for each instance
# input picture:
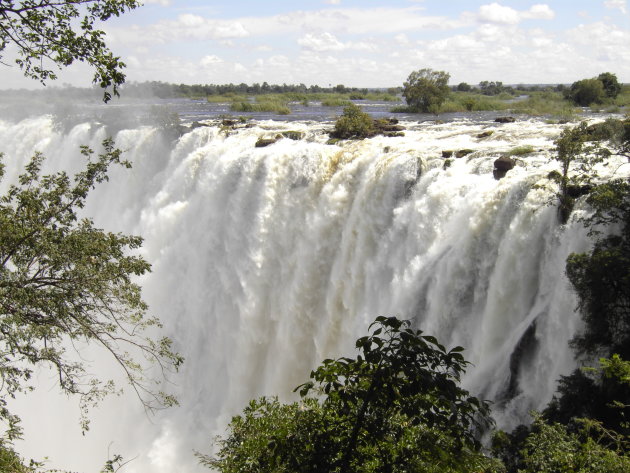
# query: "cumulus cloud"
(495, 13)
(617, 4)
(499, 14)
(321, 42)
(539, 12)
(185, 27)
(210, 60)
(328, 42)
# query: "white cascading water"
(268, 260)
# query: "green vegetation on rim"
(397, 406)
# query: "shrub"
(354, 123)
(335, 102)
(267, 106)
(396, 407)
(520, 150)
(586, 92)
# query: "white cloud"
(164, 3)
(539, 12)
(278, 61)
(499, 14)
(210, 60)
(617, 4)
(186, 27)
(350, 21)
(321, 42)
(328, 42)
(495, 13)
(332, 2)
(190, 20)
(402, 39)
(353, 21)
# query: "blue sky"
(367, 43)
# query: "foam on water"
(268, 260)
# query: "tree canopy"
(64, 282)
(612, 87)
(48, 33)
(425, 90)
(396, 407)
(596, 90)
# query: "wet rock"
(504, 163)
(463, 152)
(293, 135)
(447, 154)
(262, 142)
(485, 134)
(505, 120)
(502, 166)
(195, 124)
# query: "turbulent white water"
(268, 260)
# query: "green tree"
(426, 90)
(551, 448)
(586, 92)
(396, 407)
(578, 153)
(491, 88)
(601, 278)
(612, 87)
(353, 123)
(65, 283)
(464, 87)
(48, 33)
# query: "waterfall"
(268, 260)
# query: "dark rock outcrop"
(501, 167)
(262, 142)
(485, 134)
(292, 135)
(463, 152)
(447, 154)
(505, 120)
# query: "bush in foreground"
(396, 407)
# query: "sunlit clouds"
(333, 41)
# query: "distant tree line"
(168, 90)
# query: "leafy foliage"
(353, 123)
(612, 87)
(64, 284)
(577, 156)
(586, 92)
(62, 32)
(551, 448)
(425, 90)
(601, 278)
(396, 407)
